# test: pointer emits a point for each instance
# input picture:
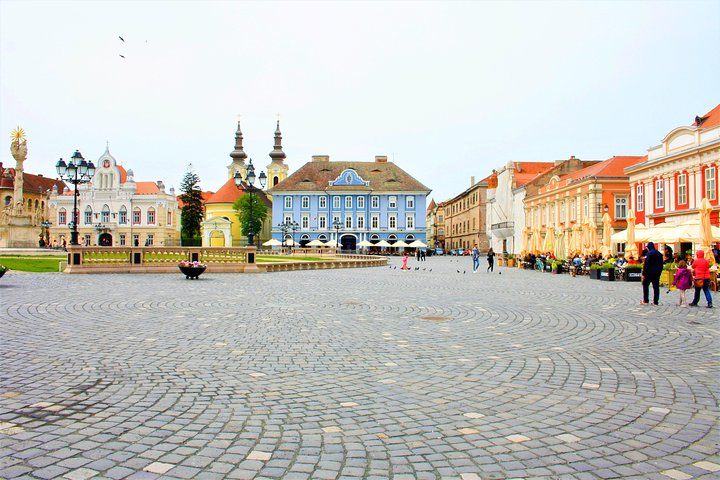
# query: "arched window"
(122, 215)
(276, 180)
(88, 215)
(37, 204)
(42, 205)
(105, 217)
(8, 200)
(151, 216)
(410, 238)
(136, 216)
(29, 203)
(62, 217)
(169, 217)
(322, 237)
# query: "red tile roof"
(712, 118)
(525, 172)
(146, 188)
(612, 167)
(31, 183)
(228, 193)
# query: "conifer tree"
(193, 209)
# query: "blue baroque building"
(355, 201)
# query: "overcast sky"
(445, 89)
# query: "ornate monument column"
(18, 149)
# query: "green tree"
(193, 210)
(247, 204)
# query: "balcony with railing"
(503, 229)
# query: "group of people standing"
(696, 275)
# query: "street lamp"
(250, 188)
(294, 227)
(76, 172)
(337, 226)
(46, 224)
(284, 227)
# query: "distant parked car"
(439, 251)
(460, 251)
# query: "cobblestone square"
(375, 373)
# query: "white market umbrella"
(272, 243)
(417, 244)
(331, 243)
(365, 243)
(399, 244)
(315, 243)
(382, 243)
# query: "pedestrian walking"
(405, 260)
(652, 268)
(491, 260)
(682, 281)
(701, 272)
(475, 259)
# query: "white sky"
(446, 89)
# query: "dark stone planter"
(607, 274)
(632, 275)
(192, 272)
(595, 274)
(557, 270)
(2, 272)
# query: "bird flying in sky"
(123, 56)
(121, 38)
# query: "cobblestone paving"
(358, 373)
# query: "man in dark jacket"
(652, 268)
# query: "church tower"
(277, 171)
(238, 156)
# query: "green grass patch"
(32, 264)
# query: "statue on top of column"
(18, 149)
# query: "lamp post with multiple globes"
(77, 172)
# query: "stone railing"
(341, 261)
(157, 259)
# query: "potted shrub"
(192, 270)
(510, 260)
(633, 273)
(595, 271)
(668, 273)
(607, 272)
(557, 266)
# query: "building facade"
(349, 202)
(115, 210)
(581, 197)
(465, 215)
(678, 174)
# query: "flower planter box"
(595, 274)
(607, 274)
(632, 275)
(192, 272)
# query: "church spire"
(277, 154)
(238, 155)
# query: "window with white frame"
(122, 215)
(322, 222)
(621, 206)
(288, 201)
(136, 216)
(544, 215)
(710, 183)
(374, 201)
(410, 222)
(361, 221)
(169, 218)
(660, 193)
(392, 201)
(374, 221)
(640, 203)
(62, 218)
(151, 216)
(552, 213)
(348, 221)
(682, 188)
(392, 221)
(573, 210)
(336, 219)
(410, 202)
(288, 219)
(136, 239)
(105, 215)
(586, 211)
(88, 215)
(305, 222)
(336, 202)
(322, 201)
(348, 201)
(305, 202)
(87, 239)
(150, 241)
(562, 212)
(360, 202)
(122, 239)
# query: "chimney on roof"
(380, 158)
(161, 185)
(472, 180)
(321, 158)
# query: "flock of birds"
(123, 41)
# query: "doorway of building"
(217, 238)
(105, 240)
(348, 242)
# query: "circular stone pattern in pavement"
(358, 373)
